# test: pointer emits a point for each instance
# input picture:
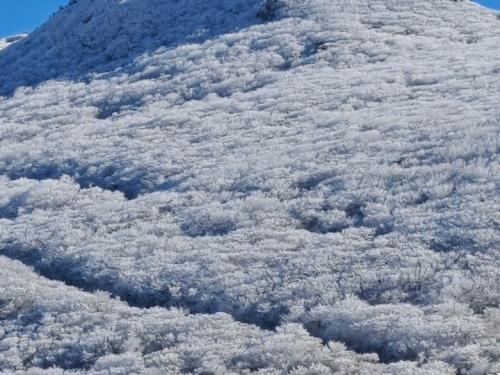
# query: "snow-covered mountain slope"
(6, 42)
(280, 187)
(95, 36)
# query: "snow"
(6, 42)
(189, 188)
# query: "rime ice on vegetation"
(298, 187)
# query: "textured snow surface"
(216, 187)
(6, 42)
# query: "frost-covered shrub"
(210, 221)
(251, 190)
(395, 332)
(267, 10)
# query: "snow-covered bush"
(186, 188)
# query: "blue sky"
(17, 16)
(494, 4)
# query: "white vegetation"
(6, 42)
(295, 187)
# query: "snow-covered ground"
(6, 42)
(295, 187)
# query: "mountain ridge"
(73, 36)
(62, 49)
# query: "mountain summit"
(90, 35)
(101, 35)
(233, 187)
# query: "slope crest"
(95, 36)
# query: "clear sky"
(494, 4)
(18, 16)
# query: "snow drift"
(6, 42)
(235, 187)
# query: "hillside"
(231, 187)
(6, 42)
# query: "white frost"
(6, 42)
(308, 192)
